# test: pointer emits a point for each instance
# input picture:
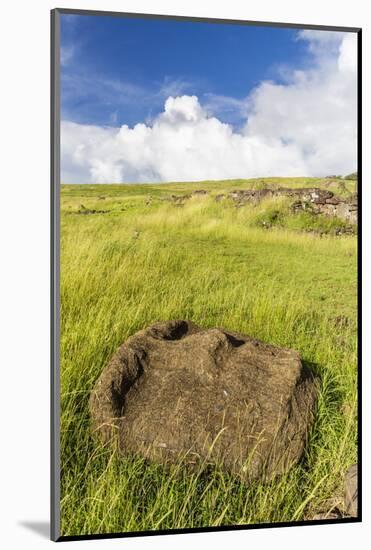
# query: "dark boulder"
(206, 396)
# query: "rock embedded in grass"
(351, 491)
(314, 200)
(175, 392)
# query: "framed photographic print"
(206, 186)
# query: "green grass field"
(146, 259)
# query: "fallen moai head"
(176, 392)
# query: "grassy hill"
(130, 256)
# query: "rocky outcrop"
(220, 197)
(344, 209)
(176, 392)
(315, 200)
(85, 211)
(311, 199)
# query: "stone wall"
(318, 201)
(310, 199)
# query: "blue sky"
(152, 100)
(119, 70)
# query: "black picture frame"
(55, 270)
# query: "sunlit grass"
(145, 261)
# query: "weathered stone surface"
(333, 200)
(310, 194)
(318, 201)
(243, 196)
(175, 390)
(220, 197)
(351, 491)
(312, 199)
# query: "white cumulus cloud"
(306, 126)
